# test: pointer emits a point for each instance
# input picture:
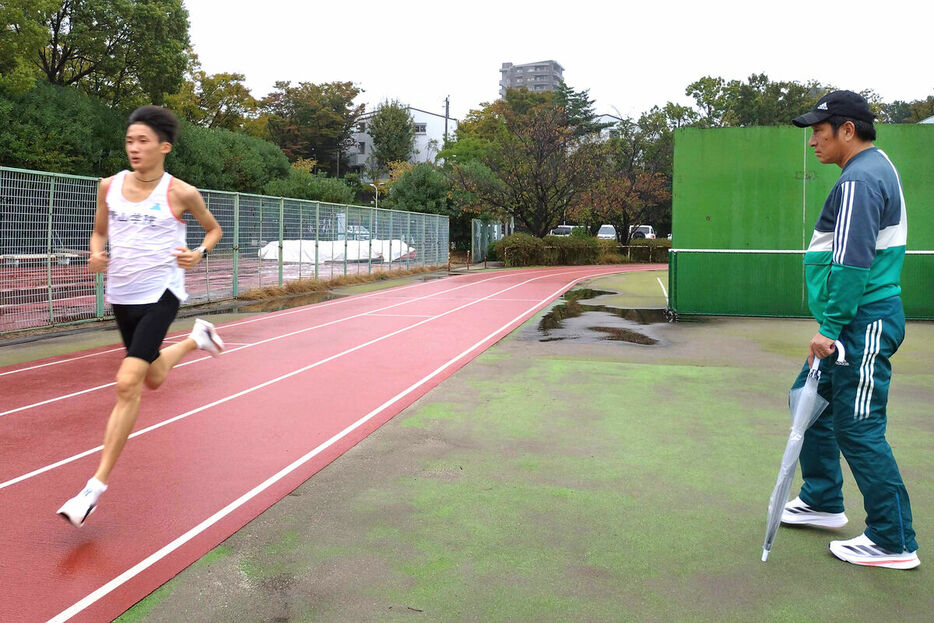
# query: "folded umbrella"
(806, 406)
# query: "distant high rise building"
(540, 76)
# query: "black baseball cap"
(837, 104)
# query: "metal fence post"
(391, 234)
(98, 279)
(346, 236)
(317, 231)
(281, 234)
(369, 253)
(236, 245)
(438, 254)
(48, 251)
(301, 237)
(207, 260)
(408, 236)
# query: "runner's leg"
(123, 417)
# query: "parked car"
(641, 231)
(562, 230)
(607, 232)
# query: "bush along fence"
(46, 221)
(525, 250)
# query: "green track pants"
(854, 424)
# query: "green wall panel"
(762, 189)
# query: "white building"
(429, 137)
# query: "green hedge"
(525, 250)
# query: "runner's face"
(828, 148)
(144, 149)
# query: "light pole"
(376, 189)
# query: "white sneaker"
(78, 508)
(205, 336)
(797, 513)
(862, 551)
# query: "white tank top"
(142, 236)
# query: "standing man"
(140, 213)
(852, 267)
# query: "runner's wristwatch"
(203, 249)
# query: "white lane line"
(52, 363)
(233, 350)
(264, 317)
(664, 291)
(400, 315)
(249, 390)
(158, 555)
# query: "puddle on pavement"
(619, 325)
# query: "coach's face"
(830, 147)
(144, 149)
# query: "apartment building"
(429, 137)
(540, 76)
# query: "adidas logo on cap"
(822, 106)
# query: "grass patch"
(306, 286)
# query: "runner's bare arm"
(188, 199)
(97, 262)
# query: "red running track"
(224, 438)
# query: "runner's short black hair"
(865, 131)
(162, 121)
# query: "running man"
(140, 213)
(853, 267)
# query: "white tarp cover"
(333, 251)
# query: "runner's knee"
(129, 385)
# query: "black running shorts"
(143, 327)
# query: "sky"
(629, 56)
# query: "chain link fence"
(46, 221)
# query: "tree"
(219, 159)
(578, 110)
(393, 133)
(536, 168)
(313, 121)
(421, 188)
(622, 198)
(124, 51)
(301, 184)
(759, 101)
(213, 101)
(908, 112)
(20, 40)
(60, 129)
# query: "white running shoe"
(76, 510)
(205, 336)
(862, 551)
(797, 513)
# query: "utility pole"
(447, 110)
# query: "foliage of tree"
(759, 101)
(313, 121)
(219, 159)
(393, 133)
(536, 168)
(21, 38)
(578, 110)
(908, 112)
(126, 52)
(421, 188)
(60, 129)
(213, 100)
(301, 184)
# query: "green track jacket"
(858, 247)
